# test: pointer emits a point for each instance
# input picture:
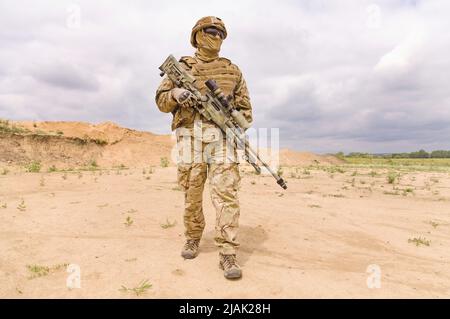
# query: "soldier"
(207, 37)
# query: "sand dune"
(68, 144)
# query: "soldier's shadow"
(251, 239)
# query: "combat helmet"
(207, 22)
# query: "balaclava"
(208, 46)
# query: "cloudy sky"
(331, 75)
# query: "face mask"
(208, 46)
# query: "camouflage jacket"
(226, 74)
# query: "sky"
(347, 75)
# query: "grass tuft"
(168, 224)
(419, 241)
(140, 289)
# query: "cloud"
(65, 76)
(332, 75)
(403, 56)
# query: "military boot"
(231, 269)
(190, 249)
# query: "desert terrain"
(104, 200)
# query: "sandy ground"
(316, 239)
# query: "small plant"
(150, 170)
(4, 171)
(336, 195)
(419, 241)
(40, 271)
(339, 170)
(60, 132)
(34, 167)
(177, 188)
(391, 193)
(99, 141)
(140, 289)
(306, 172)
(407, 191)
(391, 178)
(52, 169)
(434, 224)
(434, 180)
(168, 224)
(121, 167)
(164, 162)
(93, 164)
(4, 206)
(129, 221)
(253, 182)
(373, 174)
(280, 171)
(355, 173)
(314, 206)
(22, 207)
(6, 127)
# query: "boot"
(231, 269)
(190, 249)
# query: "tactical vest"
(221, 70)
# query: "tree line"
(418, 154)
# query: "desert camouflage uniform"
(224, 177)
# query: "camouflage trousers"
(207, 159)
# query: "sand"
(315, 240)
(76, 144)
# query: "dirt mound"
(48, 150)
(292, 158)
(107, 131)
(69, 144)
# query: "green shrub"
(391, 178)
(164, 162)
(52, 169)
(6, 127)
(34, 167)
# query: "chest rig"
(221, 70)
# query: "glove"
(184, 97)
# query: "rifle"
(214, 106)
